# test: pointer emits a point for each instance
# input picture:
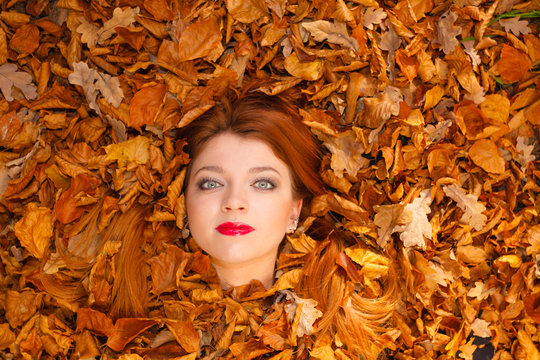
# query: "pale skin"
(238, 180)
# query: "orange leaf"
(134, 37)
(31, 344)
(95, 321)
(185, 334)
(408, 64)
(164, 267)
(126, 330)
(145, 105)
(10, 125)
(513, 64)
(35, 229)
(485, 154)
(198, 40)
(160, 9)
(67, 208)
(7, 337)
(248, 350)
(25, 40)
(20, 306)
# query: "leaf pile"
(430, 114)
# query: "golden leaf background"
(430, 115)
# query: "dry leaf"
(515, 25)
(472, 209)
(9, 76)
(335, 33)
(34, 230)
(485, 154)
(513, 64)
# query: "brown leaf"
(21, 306)
(164, 268)
(513, 64)
(247, 11)
(35, 229)
(145, 105)
(68, 207)
(485, 154)
(126, 330)
(7, 337)
(160, 9)
(25, 40)
(198, 40)
(185, 334)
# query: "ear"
(295, 211)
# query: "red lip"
(234, 229)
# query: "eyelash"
(201, 184)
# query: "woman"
(254, 168)
(253, 171)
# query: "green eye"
(208, 184)
(264, 185)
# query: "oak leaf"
(347, 152)
(480, 328)
(447, 32)
(335, 33)
(515, 25)
(525, 155)
(373, 17)
(9, 76)
(309, 312)
(416, 225)
(35, 229)
(92, 80)
(472, 209)
(93, 35)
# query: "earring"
(294, 225)
(185, 230)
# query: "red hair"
(273, 120)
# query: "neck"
(261, 269)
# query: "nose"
(234, 200)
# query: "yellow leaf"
(433, 96)
(485, 154)
(496, 107)
(306, 70)
(512, 260)
(35, 229)
(136, 149)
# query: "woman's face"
(239, 200)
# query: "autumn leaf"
(135, 149)
(92, 80)
(485, 154)
(447, 32)
(25, 40)
(472, 209)
(515, 25)
(35, 229)
(9, 76)
(93, 35)
(247, 11)
(67, 208)
(145, 105)
(308, 312)
(335, 33)
(416, 225)
(513, 64)
(198, 40)
(307, 70)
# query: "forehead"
(229, 150)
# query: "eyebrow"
(254, 170)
